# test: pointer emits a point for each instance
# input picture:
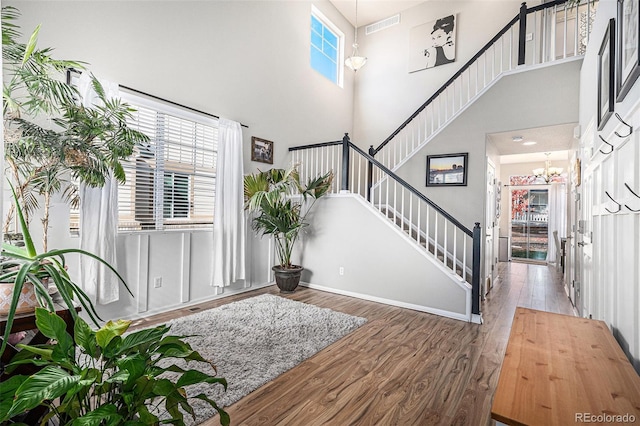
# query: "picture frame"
(447, 169)
(606, 75)
(432, 44)
(261, 150)
(628, 47)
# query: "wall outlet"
(529, 36)
(341, 270)
(157, 282)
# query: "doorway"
(529, 225)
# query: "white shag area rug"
(254, 340)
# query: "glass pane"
(324, 50)
(181, 196)
(323, 65)
(316, 25)
(529, 224)
(330, 37)
(331, 52)
(176, 196)
(316, 40)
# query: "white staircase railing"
(542, 34)
(447, 241)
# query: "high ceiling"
(370, 11)
(554, 139)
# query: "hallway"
(528, 285)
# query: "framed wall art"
(447, 170)
(606, 77)
(628, 45)
(432, 44)
(261, 150)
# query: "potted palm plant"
(52, 141)
(281, 204)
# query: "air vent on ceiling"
(381, 25)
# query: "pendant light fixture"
(355, 61)
(547, 173)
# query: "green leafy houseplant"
(52, 141)
(279, 200)
(103, 377)
(22, 266)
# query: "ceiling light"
(530, 143)
(355, 61)
(547, 173)
(517, 138)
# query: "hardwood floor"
(403, 367)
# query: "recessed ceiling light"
(517, 138)
(530, 143)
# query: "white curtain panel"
(98, 221)
(228, 218)
(557, 217)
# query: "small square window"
(327, 43)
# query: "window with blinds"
(170, 181)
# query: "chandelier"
(547, 173)
(355, 61)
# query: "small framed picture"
(628, 46)
(261, 150)
(447, 170)
(606, 65)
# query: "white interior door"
(584, 247)
(490, 227)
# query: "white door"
(584, 247)
(490, 227)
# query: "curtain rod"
(172, 103)
(140, 92)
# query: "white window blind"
(171, 181)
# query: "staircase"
(558, 32)
(443, 239)
(429, 245)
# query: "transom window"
(327, 43)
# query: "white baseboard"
(391, 302)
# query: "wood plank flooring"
(401, 368)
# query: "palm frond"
(278, 200)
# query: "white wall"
(378, 260)
(386, 93)
(608, 271)
(244, 60)
(537, 98)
